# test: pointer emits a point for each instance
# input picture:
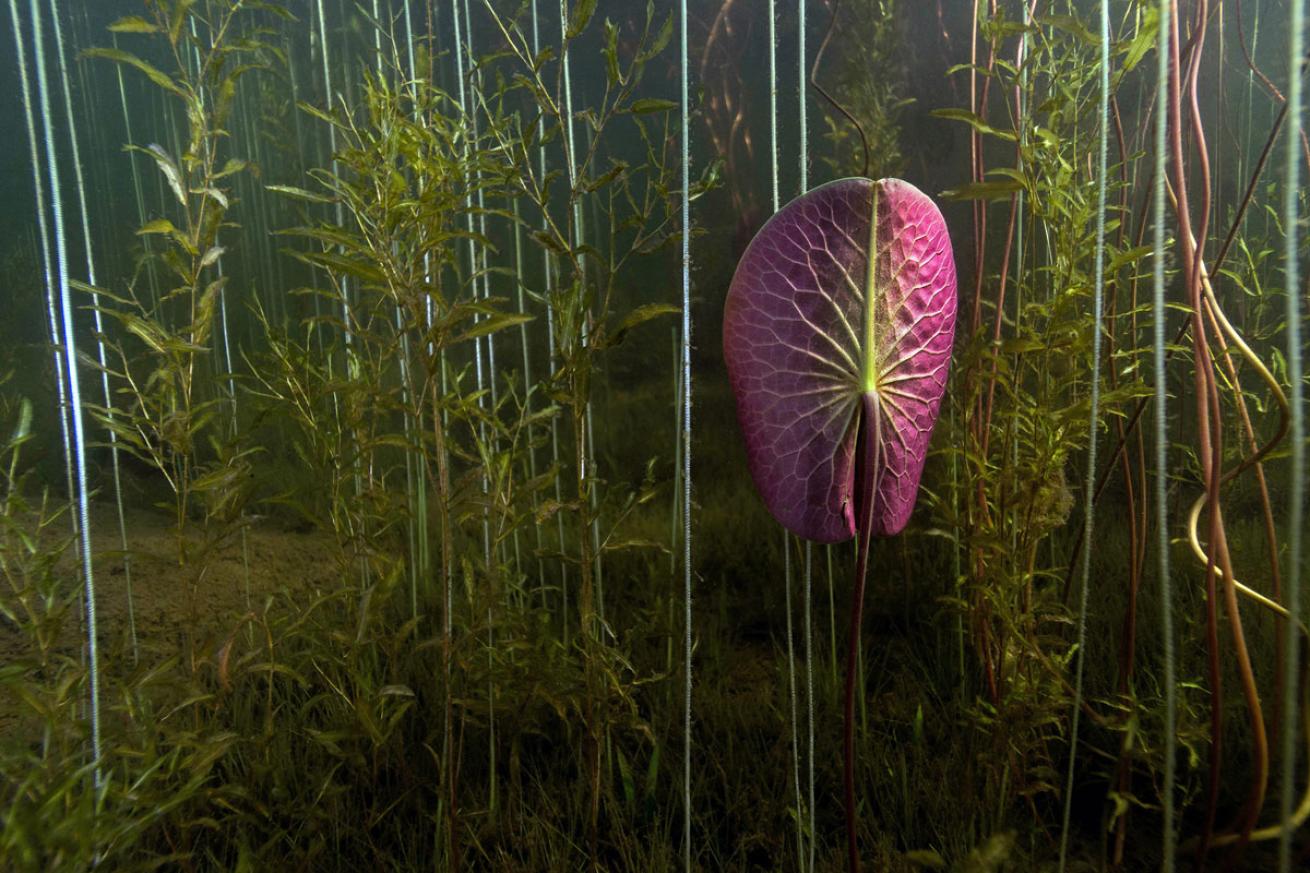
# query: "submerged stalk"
(1296, 395)
(1093, 423)
(70, 355)
(686, 433)
(101, 353)
(871, 456)
(548, 283)
(448, 757)
(792, 696)
(1169, 838)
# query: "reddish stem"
(871, 460)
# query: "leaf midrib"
(868, 354)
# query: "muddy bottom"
(167, 599)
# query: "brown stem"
(1210, 449)
(997, 321)
(871, 460)
(1127, 650)
(587, 610)
(978, 510)
(447, 563)
(848, 737)
(1131, 426)
(1266, 508)
(814, 82)
(1205, 448)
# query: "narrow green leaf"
(651, 104)
(590, 185)
(926, 859)
(215, 193)
(1142, 42)
(148, 332)
(661, 40)
(611, 53)
(168, 167)
(549, 241)
(640, 315)
(625, 775)
(233, 165)
(581, 17)
(179, 18)
(24, 426)
(132, 24)
(159, 225)
(298, 193)
(974, 121)
(212, 255)
(1072, 25)
(493, 323)
(983, 190)
(152, 72)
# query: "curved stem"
(1131, 425)
(814, 81)
(1298, 816)
(1203, 425)
(1218, 540)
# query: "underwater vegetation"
(446, 434)
(837, 331)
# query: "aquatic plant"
(166, 416)
(63, 340)
(1045, 72)
(1094, 413)
(684, 416)
(70, 122)
(1296, 380)
(726, 110)
(1018, 400)
(403, 174)
(868, 82)
(837, 333)
(415, 679)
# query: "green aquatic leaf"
(926, 859)
(213, 193)
(550, 242)
(147, 331)
(233, 165)
(298, 193)
(156, 75)
(179, 19)
(611, 53)
(212, 255)
(168, 167)
(590, 185)
(651, 104)
(133, 24)
(493, 323)
(159, 225)
(583, 10)
(660, 41)
(1072, 25)
(640, 315)
(993, 190)
(24, 425)
(1142, 42)
(975, 121)
(1012, 173)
